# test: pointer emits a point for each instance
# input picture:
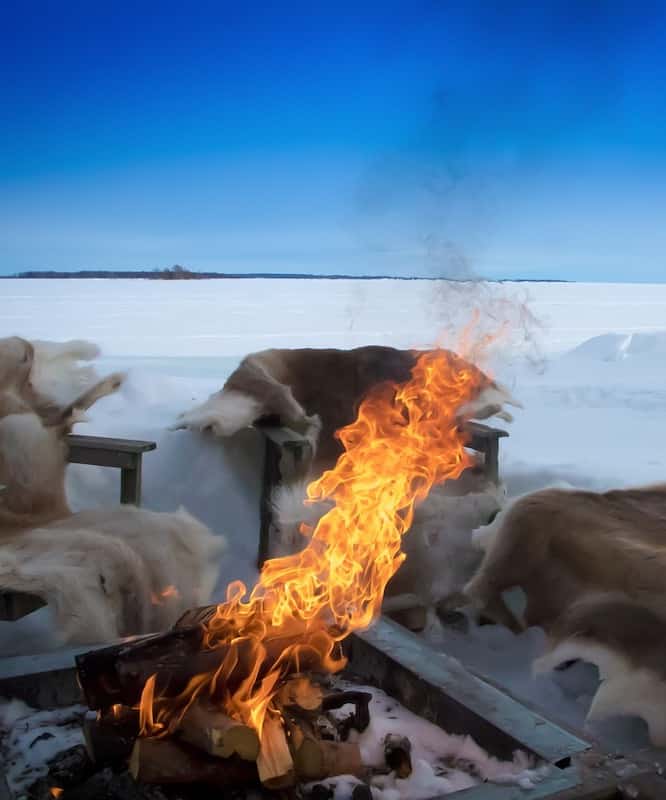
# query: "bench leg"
(130, 484)
(492, 460)
(270, 481)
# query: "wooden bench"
(123, 454)
(287, 456)
(101, 451)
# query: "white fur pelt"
(627, 643)
(57, 373)
(114, 573)
(439, 549)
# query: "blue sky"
(407, 138)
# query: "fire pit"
(426, 683)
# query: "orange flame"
(405, 439)
(165, 594)
(56, 791)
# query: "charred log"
(398, 754)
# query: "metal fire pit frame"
(427, 682)
(439, 689)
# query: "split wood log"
(317, 759)
(274, 763)
(169, 761)
(398, 754)
(301, 694)
(217, 734)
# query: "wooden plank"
(110, 444)
(101, 457)
(481, 431)
(123, 454)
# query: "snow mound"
(619, 346)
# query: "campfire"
(239, 693)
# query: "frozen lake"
(587, 361)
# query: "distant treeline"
(178, 273)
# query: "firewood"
(196, 616)
(70, 767)
(117, 674)
(109, 741)
(217, 734)
(397, 754)
(361, 792)
(169, 761)
(300, 693)
(274, 763)
(316, 759)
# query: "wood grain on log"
(275, 764)
(169, 761)
(217, 734)
(317, 759)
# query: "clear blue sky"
(499, 139)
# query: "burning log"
(118, 674)
(214, 732)
(168, 761)
(398, 754)
(299, 693)
(275, 764)
(196, 616)
(109, 738)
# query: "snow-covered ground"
(585, 359)
(442, 763)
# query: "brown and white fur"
(440, 554)
(316, 392)
(44, 377)
(106, 573)
(558, 545)
(33, 458)
(627, 642)
(113, 573)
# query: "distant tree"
(178, 273)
